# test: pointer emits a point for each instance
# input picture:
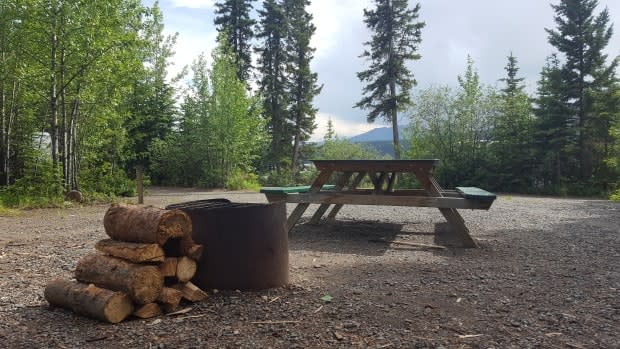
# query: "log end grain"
(147, 284)
(186, 269)
(147, 311)
(191, 248)
(118, 308)
(174, 224)
(169, 299)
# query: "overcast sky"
(488, 30)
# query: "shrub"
(39, 187)
(241, 180)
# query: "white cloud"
(342, 127)
(193, 3)
(335, 21)
(188, 47)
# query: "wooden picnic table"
(383, 175)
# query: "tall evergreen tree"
(513, 131)
(233, 18)
(514, 85)
(272, 31)
(395, 40)
(302, 82)
(152, 102)
(554, 135)
(581, 36)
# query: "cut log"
(169, 267)
(89, 300)
(186, 269)
(169, 299)
(145, 224)
(131, 251)
(184, 246)
(148, 310)
(190, 248)
(191, 292)
(143, 283)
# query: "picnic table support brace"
(342, 181)
(356, 181)
(301, 208)
(456, 223)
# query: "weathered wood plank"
(386, 200)
(376, 165)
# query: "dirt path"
(547, 275)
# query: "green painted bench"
(292, 190)
(473, 193)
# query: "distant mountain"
(378, 134)
(380, 139)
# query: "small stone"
(351, 324)
(338, 335)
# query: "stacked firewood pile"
(144, 269)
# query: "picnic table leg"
(378, 181)
(301, 208)
(356, 181)
(342, 181)
(392, 182)
(458, 229)
(456, 223)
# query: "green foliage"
(108, 181)
(343, 149)
(240, 180)
(282, 178)
(221, 132)
(581, 37)
(272, 31)
(455, 127)
(234, 22)
(512, 129)
(554, 135)
(301, 83)
(395, 40)
(615, 196)
(151, 104)
(39, 187)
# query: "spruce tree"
(395, 40)
(233, 18)
(512, 134)
(581, 36)
(152, 104)
(302, 84)
(514, 85)
(555, 134)
(272, 31)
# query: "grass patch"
(9, 212)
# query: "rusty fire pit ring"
(246, 244)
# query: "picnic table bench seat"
(473, 193)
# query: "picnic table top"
(375, 165)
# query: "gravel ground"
(546, 276)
